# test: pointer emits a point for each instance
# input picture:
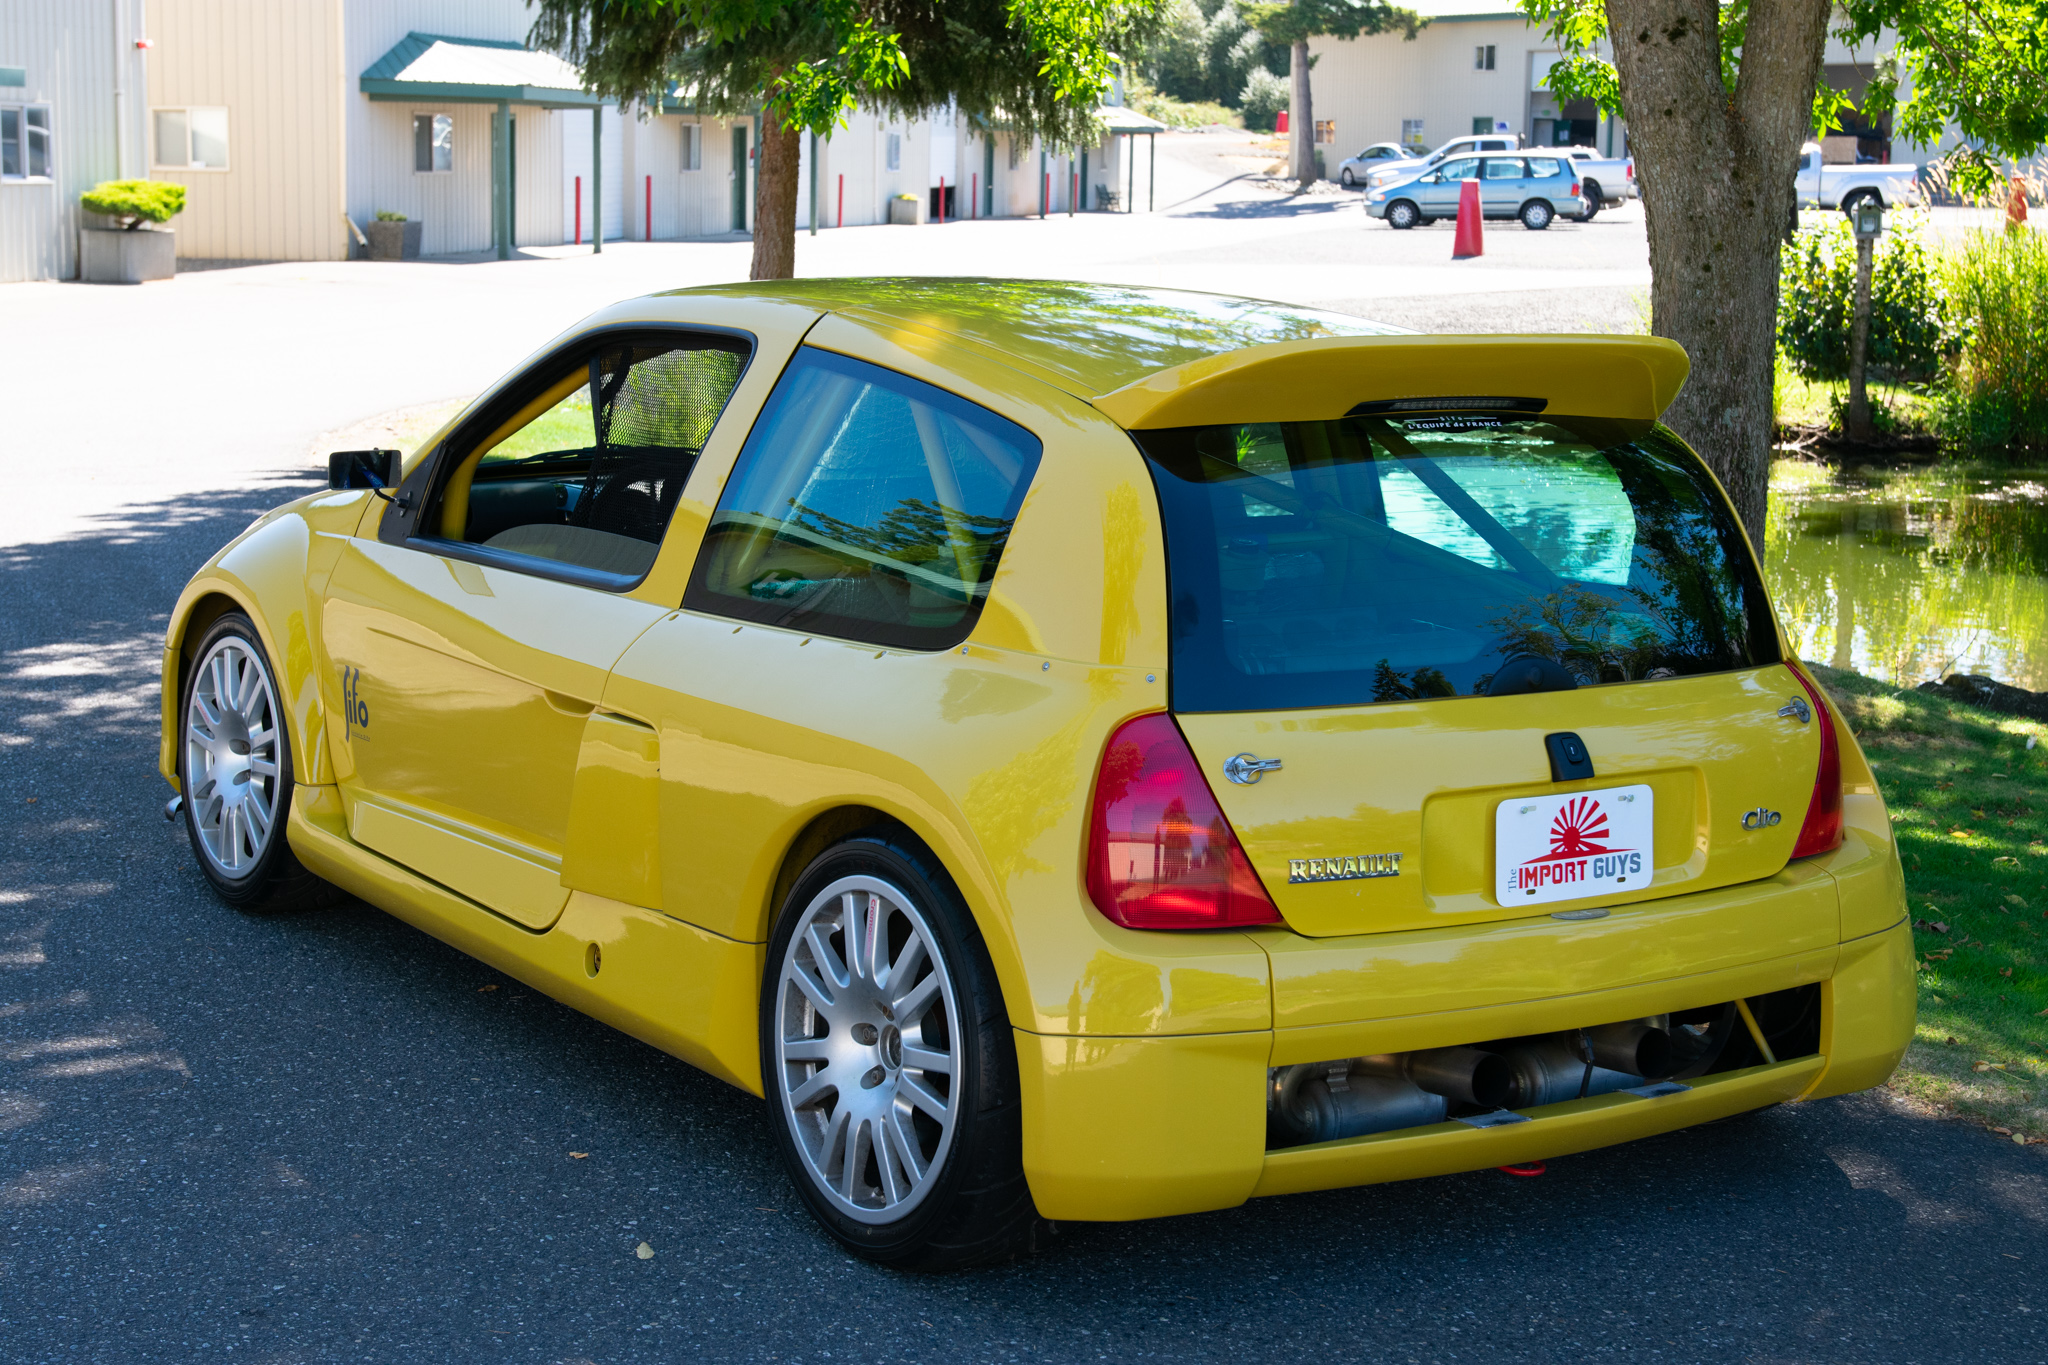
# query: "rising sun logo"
(1579, 829)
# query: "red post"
(1469, 241)
(942, 201)
(842, 203)
(579, 210)
(650, 209)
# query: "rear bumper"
(1125, 1127)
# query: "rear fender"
(272, 573)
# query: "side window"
(866, 505)
(1465, 168)
(1542, 168)
(586, 468)
(1503, 168)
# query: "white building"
(71, 115)
(1481, 66)
(293, 125)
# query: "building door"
(739, 177)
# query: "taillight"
(1822, 830)
(1160, 853)
(1575, 189)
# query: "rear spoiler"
(1325, 378)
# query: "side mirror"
(372, 469)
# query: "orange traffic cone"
(1468, 241)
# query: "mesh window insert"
(866, 505)
(589, 472)
(1383, 559)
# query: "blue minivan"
(1535, 189)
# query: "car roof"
(1149, 357)
(1086, 338)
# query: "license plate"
(1564, 848)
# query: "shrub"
(389, 216)
(135, 202)
(1999, 285)
(1912, 328)
(1264, 96)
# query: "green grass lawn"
(1969, 802)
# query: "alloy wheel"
(231, 756)
(868, 1049)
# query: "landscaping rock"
(1991, 694)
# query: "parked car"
(1821, 186)
(1535, 189)
(1078, 751)
(1605, 181)
(1351, 170)
(1387, 172)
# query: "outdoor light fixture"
(1869, 219)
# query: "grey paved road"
(323, 1138)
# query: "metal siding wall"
(1368, 85)
(71, 51)
(456, 206)
(276, 69)
(539, 210)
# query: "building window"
(895, 152)
(1411, 132)
(25, 142)
(433, 143)
(693, 147)
(1326, 130)
(192, 139)
(1482, 58)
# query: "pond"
(1912, 572)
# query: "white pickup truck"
(1608, 181)
(1844, 187)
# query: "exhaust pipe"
(1550, 1070)
(1634, 1047)
(1323, 1101)
(1464, 1074)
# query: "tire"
(1593, 201)
(1536, 215)
(840, 1069)
(235, 811)
(1345, 178)
(1850, 205)
(1402, 215)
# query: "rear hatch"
(1508, 665)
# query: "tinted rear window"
(1375, 559)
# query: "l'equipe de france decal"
(1564, 848)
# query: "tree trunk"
(1716, 170)
(1301, 114)
(781, 156)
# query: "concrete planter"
(393, 241)
(122, 257)
(907, 212)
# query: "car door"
(1503, 181)
(853, 545)
(1442, 193)
(472, 634)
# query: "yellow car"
(1077, 752)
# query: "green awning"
(429, 68)
(1116, 118)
